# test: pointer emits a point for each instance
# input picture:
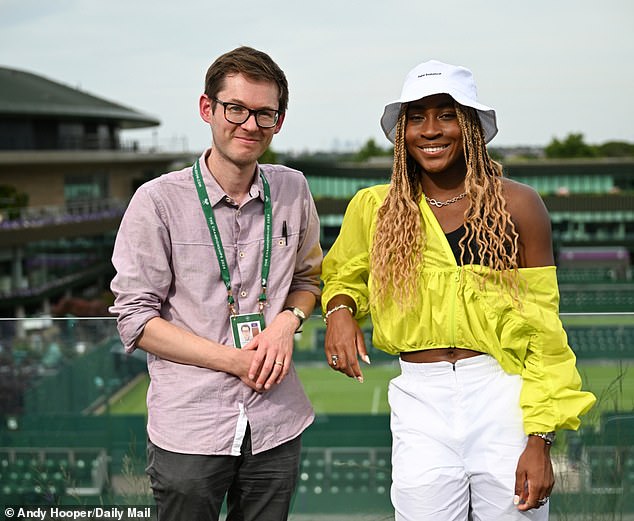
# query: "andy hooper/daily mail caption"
(64, 513)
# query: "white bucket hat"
(434, 77)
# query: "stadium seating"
(344, 457)
(332, 475)
(601, 341)
(608, 456)
(42, 476)
(587, 275)
(603, 472)
(590, 300)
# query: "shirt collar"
(214, 190)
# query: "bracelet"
(337, 308)
(548, 437)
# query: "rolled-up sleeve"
(141, 258)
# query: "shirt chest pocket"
(283, 262)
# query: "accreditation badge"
(245, 327)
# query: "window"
(89, 187)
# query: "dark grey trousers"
(192, 487)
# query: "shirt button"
(228, 199)
(241, 254)
(243, 293)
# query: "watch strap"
(298, 313)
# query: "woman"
(454, 263)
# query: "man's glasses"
(237, 114)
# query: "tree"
(572, 146)
(269, 156)
(12, 201)
(616, 149)
(371, 149)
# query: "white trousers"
(457, 436)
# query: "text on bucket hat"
(434, 77)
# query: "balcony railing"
(81, 211)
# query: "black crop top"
(454, 241)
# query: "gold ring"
(335, 359)
(279, 363)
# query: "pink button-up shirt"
(166, 266)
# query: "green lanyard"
(217, 242)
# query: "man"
(245, 334)
(200, 252)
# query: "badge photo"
(245, 327)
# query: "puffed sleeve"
(346, 267)
(551, 395)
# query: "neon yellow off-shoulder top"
(454, 309)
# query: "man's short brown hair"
(254, 64)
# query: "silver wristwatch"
(548, 437)
(299, 314)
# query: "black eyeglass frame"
(251, 112)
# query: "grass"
(612, 384)
(333, 393)
(330, 392)
(132, 402)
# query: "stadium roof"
(23, 94)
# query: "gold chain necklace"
(440, 204)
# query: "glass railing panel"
(73, 416)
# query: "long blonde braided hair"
(399, 239)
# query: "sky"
(548, 67)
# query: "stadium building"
(65, 179)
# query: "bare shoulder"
(532, 222)
(523, 201)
